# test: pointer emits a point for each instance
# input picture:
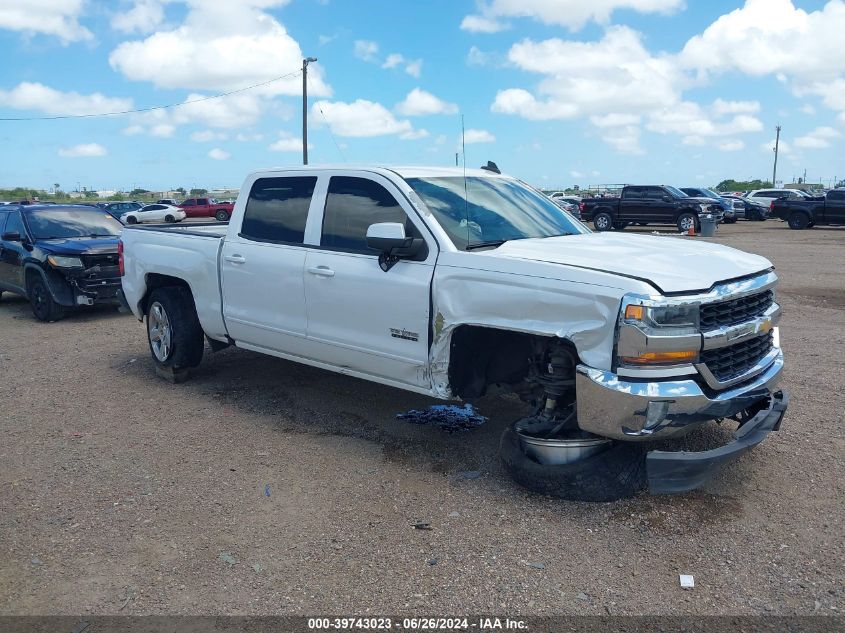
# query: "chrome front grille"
(727, 363)
(735, 311)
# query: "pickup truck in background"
(808, 212)
(207, 208)
(650, 204)
(453, 284)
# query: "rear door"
(834, 207)
(262, 265)
(631, 205)
(360, 317)
(12, 254)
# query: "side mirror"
(389, 239)
(12, 236)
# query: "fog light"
(656, 413)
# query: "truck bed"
(186, 252)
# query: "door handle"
(235, 259)
(322, 271)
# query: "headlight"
(651, 334)
(64, 262)
(704, 207)
(679, 317)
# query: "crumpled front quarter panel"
(528, 297)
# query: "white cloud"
(414, 67)
(818, 138)
(247, 138)
(35, 96)
(393, 60)
(234, 111)
(614, 119)
(783, 147)
(477, 136)
(162, 130)
(573, 14)
(361, 118)
(576, 174)
(83, 150)
(218, 154)
(59, 18)
(366, 50)
(624, 139)
(732, 146)
(420, 103)
(322, 40)
(287, 143)
(481, 24)
(220, 46)
(143, 17)
(736, 107)
(477, 57)
(414, 135)
(206, 136)
(808, 109)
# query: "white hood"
(671, 264)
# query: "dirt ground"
(266, 487)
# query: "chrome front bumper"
(630, 411)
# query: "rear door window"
(277, 209)
(632, 193)
(352, 205)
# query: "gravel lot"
(266, 487)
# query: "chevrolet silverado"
(451, 283)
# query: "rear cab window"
(277, 209)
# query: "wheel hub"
(160, 333)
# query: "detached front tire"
(174, 332)
(616, 473)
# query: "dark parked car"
(803, 214)
(648, 204)
(59, 257)
(749, 208)
(703, 192)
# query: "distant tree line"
(743, 185)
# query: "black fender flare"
(58, 286)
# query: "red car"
(207, 208)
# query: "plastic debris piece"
(226, 557)
(267, 490)
(687, 581)
(421, 525)
(535, 565)
(448, 417)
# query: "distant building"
(106, 193)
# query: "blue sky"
(557, 92)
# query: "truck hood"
(670, 264)
(79, 245)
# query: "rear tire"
(798, 221)
(602, 221)
(43, 306)
(169, 219)
(221, 216)
(131, 220)
(616, 473)
(687, 221)
(174, 332)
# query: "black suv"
(59, 257)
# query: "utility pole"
(777, 145)
(805, 177)
(456, 159)
(305, 62)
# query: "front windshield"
(711, 194)
(480, 210)
(676, 192)
(63, 223)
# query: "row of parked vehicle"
(168, 210)
(664, 204)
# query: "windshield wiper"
(489, 244)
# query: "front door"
(656, 208)
(835, 207)
(360, 317)
(262, 266)
(12, 254)
(630, 205)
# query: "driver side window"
(352, 205)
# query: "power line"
(151, 109)
(329, 128)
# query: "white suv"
(769, 195)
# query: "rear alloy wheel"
(221, 216)
(173, 329)
(131, 220)
(798, 221)
(602, 221)
(169, 219)
(43, 306)
(687, 221)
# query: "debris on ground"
(420, 525)
(226, 557)
(687, 581)
(467, 474)
(267, 490)
(535, 565)
(583, 597)
(448, 417)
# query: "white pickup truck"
(452, 283)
